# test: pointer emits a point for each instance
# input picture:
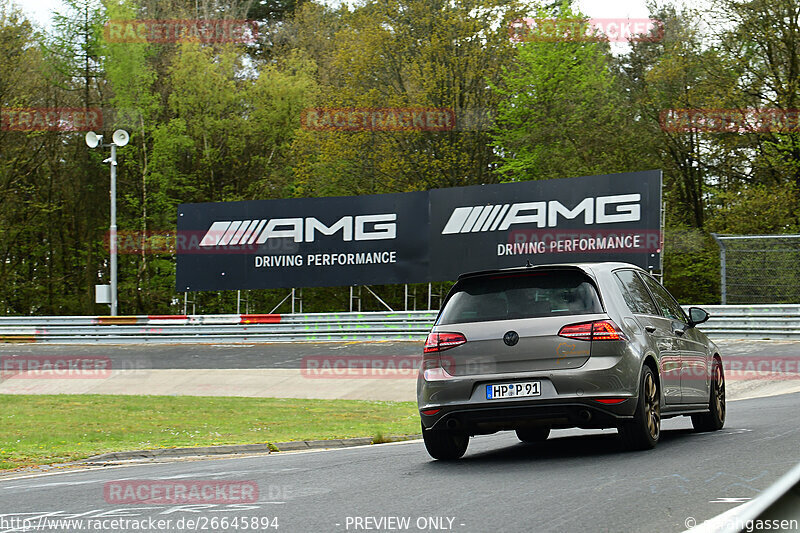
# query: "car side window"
(664, 300)
(635, 293)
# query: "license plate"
(513, 390)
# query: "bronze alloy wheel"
(652, 407)
(719, 391)
(714, 419)
(644, 430)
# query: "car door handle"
(679, 332)
(650, 329)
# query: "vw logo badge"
(511, 338)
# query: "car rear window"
(635, 293)
(521, 295)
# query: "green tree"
(760, 40)
(49, 207)
(405, 54)
(562, 111)
(229, 133)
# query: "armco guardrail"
(728, 321)
(762, 321)
(409, 325)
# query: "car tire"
(714, 419)
(533, 435)
(643, 432)
(445, 445)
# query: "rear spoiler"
(518, 270)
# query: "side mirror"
(697, 316)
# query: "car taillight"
(599, 330)
(606, 330)
(439, 342)
(434, 366)
(577, 331)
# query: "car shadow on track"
(571, 447)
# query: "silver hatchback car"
(596, 345)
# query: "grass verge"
(45, 429)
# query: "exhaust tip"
(585, 415)
(452, 423)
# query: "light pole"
(119, 138)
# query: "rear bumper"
(482, 419)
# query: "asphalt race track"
(216, 356)
(289, 355)
(575, 481)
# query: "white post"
(723, 278)
(113, 230)
(430, 288)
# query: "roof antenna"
(528, 263)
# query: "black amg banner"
(419, 236)
(614, 217)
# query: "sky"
(41, 10)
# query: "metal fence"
(732, 321)
(759, 268)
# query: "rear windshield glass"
(522, 295)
